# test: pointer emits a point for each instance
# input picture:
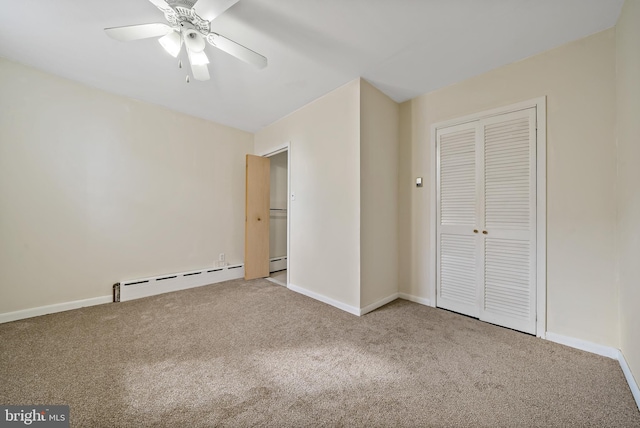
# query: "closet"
(486, 219)
(278, 217)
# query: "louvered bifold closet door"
(509, 215)
(458, 191)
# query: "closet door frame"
(286, 147)
(541, 200)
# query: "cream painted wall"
(628, 112)
(579, 82)
(414, 201)
(379, 150)
(406, 184)
(325, 177)
(278, 194)
(96, 188)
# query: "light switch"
(419, 182)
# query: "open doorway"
(279, 217)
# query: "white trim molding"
(275, 150)
(540, 104)
(633, 385)
(583, 345)
(605, 351)
(52, 309)
(415, 299)
(343, 306)
(324, 299)
(378, 304)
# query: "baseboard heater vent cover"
(277, 263)
(144, 287)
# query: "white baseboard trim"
(415, 299)
(379, 303)
(605, 351)
(52, 309)
(594, 348)
(633, 385)
(324, 299)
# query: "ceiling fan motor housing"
(181, 12)
(182, 3)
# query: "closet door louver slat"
(457, 269)
(509, 215)
(457, 194)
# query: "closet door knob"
(485, 232)
(475, 230)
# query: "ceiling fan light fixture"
(172, 42)
(194, 41)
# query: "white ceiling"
(404, 47)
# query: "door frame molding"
(540, 104)
(286, 147)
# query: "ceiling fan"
(189, 23)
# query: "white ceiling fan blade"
(237, 50)
(199, 68)
(137, 32)
(161, 4)
(211, 9)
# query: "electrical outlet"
(221, 257)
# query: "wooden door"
(256, 230)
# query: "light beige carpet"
(256, 354)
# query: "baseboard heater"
(144, 287)
(277, 263)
